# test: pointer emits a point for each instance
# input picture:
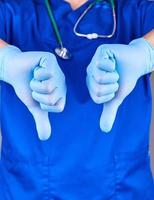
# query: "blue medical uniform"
(78, 162)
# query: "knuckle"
(98, 94)
(31, 84)
(88, 70)
(88, 83)
(35, 73)
(109, 98)
(98, 91)
(51, 56)
(43, 107)
(99, 78)
(97, 63)
(117, 76)
(50, 101)
(47, 88)
(112, 96)
(60, 107)
(116, 86)
(100, 47)
(98, 100)
(63, 77)
(33, 94)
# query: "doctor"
(55, 72)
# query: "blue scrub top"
(78, 162)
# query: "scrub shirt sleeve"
(3, 37)
(2, 21)
(147, 16)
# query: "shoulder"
(136, 4)
(20, 2)
(138, 13)
(147, 15)
(16, 14)
(20, 11)
(19, 6)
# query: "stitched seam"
(46, 190)
(6, 193)
(117, 181)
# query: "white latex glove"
(17, 68)
(131, 62)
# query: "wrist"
(3, 43)
(149, 37)
(150, 46)
(7, 55)
(147, 54)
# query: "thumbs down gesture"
(113, 74)
(38, 82)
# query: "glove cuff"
(4, 52)
(149, 52)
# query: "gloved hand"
(47, 82)
(131, 62)
(48, 86)
(102, 78)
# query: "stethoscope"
(62, 51)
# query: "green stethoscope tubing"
(53, 21)
(95, 35)
(62, 51)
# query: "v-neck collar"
(82, 5)
(63, 2)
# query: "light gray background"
(152, 128)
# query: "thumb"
(110, 108)
(42, 122)
(109, 114)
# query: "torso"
(81, 160)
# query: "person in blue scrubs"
(79, 161)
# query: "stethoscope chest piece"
(63, 53)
